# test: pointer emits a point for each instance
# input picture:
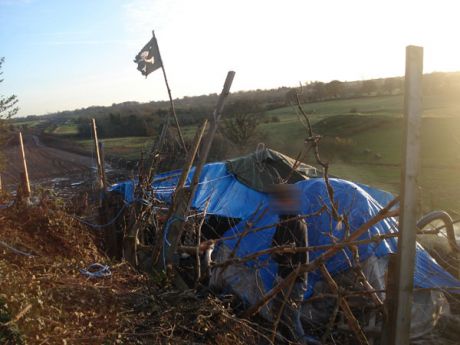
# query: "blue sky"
(67, 54)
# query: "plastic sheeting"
(230, 198)
(427, 309)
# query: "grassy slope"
(128, 147)
(66, 129)
(440, 158)
(369, 147)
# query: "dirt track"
(43, 162)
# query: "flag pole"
(172, 109)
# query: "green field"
(129, 148)
(372, 154)
(66, 129)
(363, 142)
(26, 123)
(434, 106)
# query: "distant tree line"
(115, 125)
(145, 119)
(316, 91)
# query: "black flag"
(148, 59)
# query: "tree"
(389, 85)
(8, 105)
(241, 127)
(318, 91)
(291, 97)
(335, 88)
(368, 87)
(8, 108)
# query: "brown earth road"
(43, 162)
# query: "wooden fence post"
(103, 176)
(100, 168)
(401, 319)
(112, 246)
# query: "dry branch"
(381, 215)
(293, 250)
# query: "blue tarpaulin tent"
(231, 198)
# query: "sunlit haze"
(64, 55)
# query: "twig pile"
(44, 299)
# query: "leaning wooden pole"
(183, 200)
(401, 319)
(179, 202)
(214, 124)
(25, 173)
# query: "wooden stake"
(401, 320)
(99, 161)
(25, 179)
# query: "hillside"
(368, 149)
(362, 137)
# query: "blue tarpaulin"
(231, 198)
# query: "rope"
(114, 219)
(100, 271)
(167, 225)
(100, 226)
(173, 188)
